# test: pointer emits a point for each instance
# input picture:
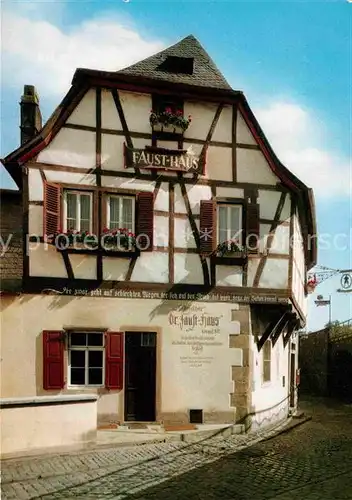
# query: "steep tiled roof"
(205, 72)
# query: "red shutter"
(52, 208)
(145, 224)
(252, 227)
(53, 360)
(208, 226)
(114, 360)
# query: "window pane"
(71, 214)
(95, 359)
(114, 212)
(222, 222)
(222, 218)
(85, 212)
(95, 339)
(235, 222)
(78, 339)
(77, 359)
(77, 376)
(266, 372)
(95, 376)
(127, 213)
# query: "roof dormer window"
(174, 64)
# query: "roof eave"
(115, 78)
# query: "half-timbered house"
(165, 249)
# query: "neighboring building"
(326, 361)
(178, 327)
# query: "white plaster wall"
(275, 273)
(70, 178)
(125, 183)
(299, 266)
(84, 113)
(202, 117)
(188, 269)
(109, 115)
(183, 235)
(152, 267)
(188, 376)
(161, 231)
(84, 266)
(223, 129)
(253, 167)
(31, 427)
(281, 240)
(35, 220)
(161, 201)
(228, 192)
(244, 135)
(219, 164)
(35, 185)
(286, 209)
(269, 201)
(264, 231)
(253, 263)
(115, 269)
(112, 152)
(136, 108)
(75, 148)
(229, 276)
(46, 261)
(195, 195)
(266, 395)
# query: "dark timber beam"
(270, 329)
(283, 322)
(293, 325)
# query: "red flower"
(168, 110)
(105, 230)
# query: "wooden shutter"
(53, 360)
(208, 226)
(114, 360)
(52, 208)
(145, 223)
(252, 228)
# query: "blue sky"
(292, 60)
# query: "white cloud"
(37, 52)
(295, 136)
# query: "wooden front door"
(140, 376)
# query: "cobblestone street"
(311, 462)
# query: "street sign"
(346, 281)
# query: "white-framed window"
(86, 359)
(78, 209)
(266, 367)
(229, 223)
(121, 212)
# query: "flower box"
(117, 241)
(169, 121)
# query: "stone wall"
(313, 361)
(11, 251)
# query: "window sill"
(105, 252)
(167, 133)
(233, 259)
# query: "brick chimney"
(31, 117)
